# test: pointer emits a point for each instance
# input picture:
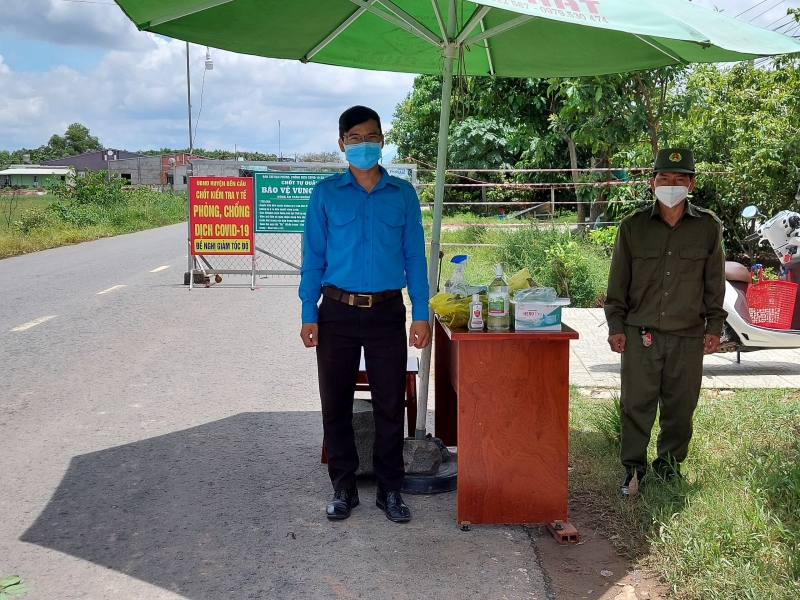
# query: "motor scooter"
(739, 333)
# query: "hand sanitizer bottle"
(475, 314)
(498, 318)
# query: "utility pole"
(189, 276)
(189, 98)
(280, 156)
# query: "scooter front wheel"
(729, 341)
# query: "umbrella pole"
(441, 164)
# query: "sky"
(68, 61)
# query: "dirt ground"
(593, 568)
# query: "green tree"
(415, 125)
(615, 116)
(215, 154)
(743, 124)
(76, 140)
(324, 157)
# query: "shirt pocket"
(390, 228)
(693, 262)
(342, 228)
(644, 261)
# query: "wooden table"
(503, 399)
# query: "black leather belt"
(360, 300)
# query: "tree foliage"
(76, 140)
(741, 121)
(93, 187)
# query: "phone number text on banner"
(221, 215)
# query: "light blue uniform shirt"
(364, 242)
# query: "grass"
(39, 227)
(462, 218)
(14, 210)
(731, 530)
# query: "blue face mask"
(364, 155)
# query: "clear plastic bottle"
(475, 314)
(498, 318)
(457, 284)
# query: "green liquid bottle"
(498, 318)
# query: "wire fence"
(281, 254)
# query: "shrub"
(604, 238)
(31, 219)
(98, 188)
(556, 258)
(570, 273)
(80, 215)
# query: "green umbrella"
(510, 38)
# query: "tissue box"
(538, 316)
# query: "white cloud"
(137, 100)
(70, 23)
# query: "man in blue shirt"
(363, 244)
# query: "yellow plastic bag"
(453, 310)
(520, 280)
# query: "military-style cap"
(676, 160)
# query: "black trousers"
(343, 331)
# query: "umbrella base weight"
(444, 480)
(565, 533)
(199, 278)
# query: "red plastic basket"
(771, 302)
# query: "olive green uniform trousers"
(665, 375)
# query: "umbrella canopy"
(509, 38)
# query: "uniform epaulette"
(646, 208)
(707, 211)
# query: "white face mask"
(671, 195)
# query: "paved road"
(160, 443)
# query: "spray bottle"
(457, 284)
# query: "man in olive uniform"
(664, 311)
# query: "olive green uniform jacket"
(669, 279)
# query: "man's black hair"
(355, 115)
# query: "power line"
(794, 29)
(751, 8)
(789, 16)
(766, 11)
(782, 25)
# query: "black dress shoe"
(392, 504)
(341, 505)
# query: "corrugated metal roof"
(20, 170)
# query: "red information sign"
(221, 215)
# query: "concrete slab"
(594, 365)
